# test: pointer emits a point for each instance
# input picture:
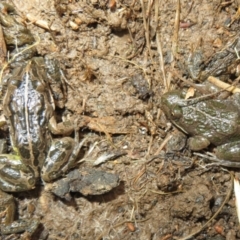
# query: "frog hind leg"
(18, 226)
(229, 151)
(14, 175)
(7, 212)
(61, 157)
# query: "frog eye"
(176, 112)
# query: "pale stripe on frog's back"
(29, 107)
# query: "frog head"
(171, 104)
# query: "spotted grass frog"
(32, 89)
(29, 108)
(208, 121)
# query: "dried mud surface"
(115, 81)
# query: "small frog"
(217, 65)
(12, 25)
(207, 122)
(28, 106)
(31, 90)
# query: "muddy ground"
(118, 58)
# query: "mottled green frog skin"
(207, 122)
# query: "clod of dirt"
(193, 204)
(177, 142)
(87, 182)
(141, 86)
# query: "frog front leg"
(197, 143)
(14, 175)
(61, 157)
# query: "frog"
(29, 109)
(15, 31)
(207, 122)
(31, 90)
(218, 65)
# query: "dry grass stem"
(146, 27)
(165, 193)
(223, 85)
(38, 22)
(139, 175)
(164, 142)
(3, 48)
(237, 195)
(176, 29)
(159, 48)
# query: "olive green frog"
(209, 121)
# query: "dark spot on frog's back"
(24, 152)
(56, 154)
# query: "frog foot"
(7, 212)
(197, 143)
(18, 226)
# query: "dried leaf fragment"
(39, 22)
(223, 85)
(190, 93)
